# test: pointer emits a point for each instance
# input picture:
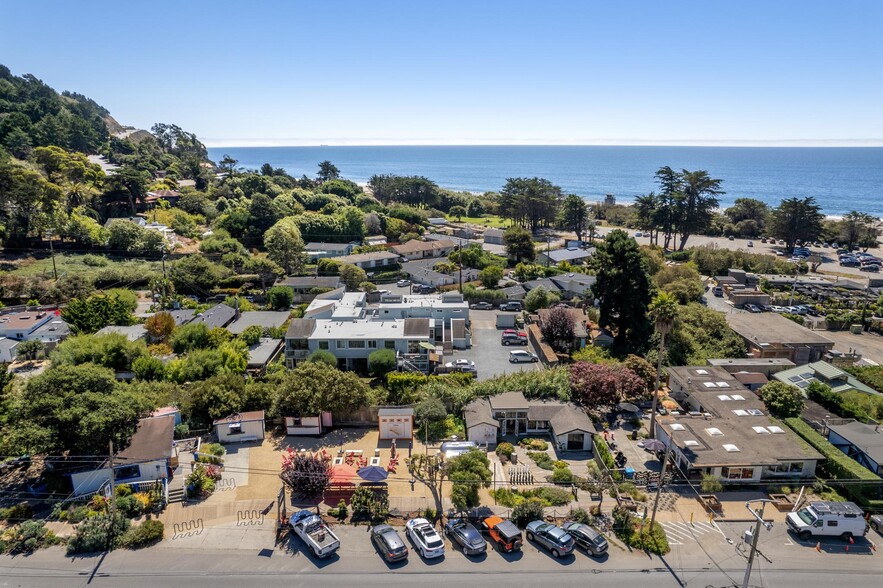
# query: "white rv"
(826, 519)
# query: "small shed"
(240, 427)
(396, 423)
(308, 425)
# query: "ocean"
(841, 179)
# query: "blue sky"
(451, 72)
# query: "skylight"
(723, 385)
(737, 397)
(723, 397)
(691, 443)
(755, 412)
(740, 412)
(775, 429)
(709, 384)
(761, 430)
(702, 372)
(731, 448)
(678, 427)
(714, 432)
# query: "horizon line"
(771, 143)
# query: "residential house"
(240, 427)
(154, 197)
(138, 220)
(861, 442)
(574, 256)
(726, 431)
(494, 236)
(262, 354)
(130, 332)
(7, 350)
(415, 249)
(42, 325)
(308, 425)
(368, 261)
(375, 240)
(150, 457)
(437, 220)
(567, 286)
(585, 332)
(766, 366)
(825, 373)
(261, 318)
(218, 316)
(443, 307)
(305, 288)
(511, 414)
(458, 241)
(322, 250)
(770, 335)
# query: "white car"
(403, 283)
(427, 542)
(464, 365)
(521, 356)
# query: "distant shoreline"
(808, 144)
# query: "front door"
(575, 441)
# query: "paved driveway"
(490, 356)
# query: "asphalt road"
(490, 356)
(699, 559)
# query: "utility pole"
(660, 483)
(460, 263)
(793, 285)
(754, 539)
(548, 246)
(52, 252)
(113, 499)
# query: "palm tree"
(664, 310)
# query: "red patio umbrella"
(343, 473)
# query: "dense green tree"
(197, 275)
(623, 289)
(28, 350)
(782, 400)
(859, 229)
(796, 219)
(539, 298)
(475, 209)
(574, 215)
(112, 351)
(519, 244)
(490, 276)
(411, 190)
(532, 202)
(327, 171)
(148, 368)
(285, 245)
(700, 333)
(323, 356)
(280, 297)
(97, 311)
(468, 473)
(381, 362)
(749, 216)
(352, 275)
(189, 337)
(314, 387)
(457, 211)
(698, 203)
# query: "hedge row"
(841, 467)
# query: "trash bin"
(630, 473)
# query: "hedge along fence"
(838, 465)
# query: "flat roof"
(263, 351)
(241, 417)
(770, 327)
(507, 400)
(310, 282)
(260, 318)
(751, 362)
(360, 257)
(130, 332)
(328, 329)
(866, 437)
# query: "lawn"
(488, 221)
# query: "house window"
(356, 344)
(341, 344)
(389, 345)
(737, 473)
(127, 472)
(372, 344)
(234, 429)
(323, 345)
(413, 346)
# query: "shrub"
(26, 538)
(607, 457)
(527, 511)
(341, 512)
(92, 534)
(581, 516)
(505, 450)
(562, 476)
(308, 475)
(381, 362)
(781, 399)
(146, 534)
(95, 260)
(711, 483)
(19, 512)
(198, 483)
(370, 504)
(534, 444)
(541, 458)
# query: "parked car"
(555, 539)
(521, 356)
(766, 308)
(317, 536)
(718, 291)
(870, 267)
(466, 536)
(389, 543)
(843, 519)
(849, 262)
(504, 534)
(751, 243)
(463, 365)
(876, 523)
(752, 308)
(482, 306)
(403, 283)
(513, 337)
(511, 306)
(586, 537)
(427, 542)
(777, 308)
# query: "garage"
(395, 423)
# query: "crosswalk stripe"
(677, 532)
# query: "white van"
(826, 519)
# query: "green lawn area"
(488, 221)
(74, 264)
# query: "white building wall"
(482, 434)
(250, 430)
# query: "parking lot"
(490, 356)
